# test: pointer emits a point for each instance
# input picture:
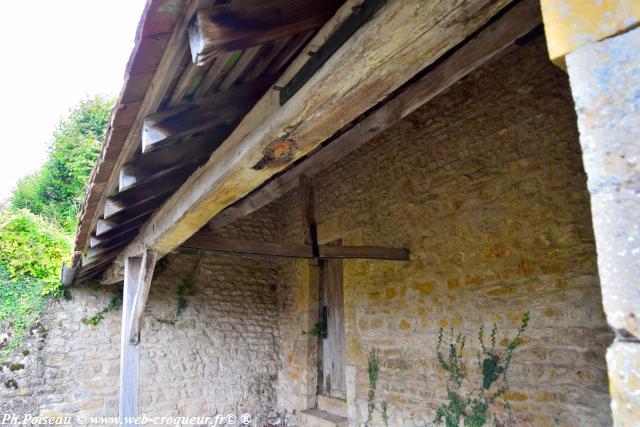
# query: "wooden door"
(333, 377)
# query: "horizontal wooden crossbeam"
(291, 250)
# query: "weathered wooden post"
(138, 272)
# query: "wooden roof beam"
(136, 195)
(201, 115)
(515, 23)
(191, 150)
(271, 136)
(243, 24)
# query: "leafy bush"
(21, 302)
(473, 406)
(32, 250)
(57, 189)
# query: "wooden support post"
(144, 284)
(138, 272)
(129, 353)
(307, 207)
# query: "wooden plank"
(359, 16)
(125, 217)
(364, 252)
(191, 150)
(218, 69)
(247, 247)
(147, 190)
(292, 48)
(208, 242)
(129, 354)
(200, 115)
(140, 302)
(88, 272)
(243, 24)
(96, 253)
(272, 137)
(333, 346)
(126, 233)
(247, 58)
(187, 84)
(273, 51)
(515, 23)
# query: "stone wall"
(218, 356)
(485, 186)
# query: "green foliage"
(56, 190)
(32, 250)
(114, 303)
(185, 288)
(20, 305)
(384, 413)
(472, 407)
(373, 369)
(315, 331)
(35, 234)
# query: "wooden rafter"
(200, 115)
(121, 232)
(243, 24)
(161, 184)
(191, 150)
(515, 23)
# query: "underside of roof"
(225, 105)
(196, 106)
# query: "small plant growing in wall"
(114, 303)
(315, 331)
(471, 405)
(373, 371)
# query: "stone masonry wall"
(485, 186)
(217, 357)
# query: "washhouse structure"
(363, 212)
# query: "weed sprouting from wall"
(473, 405)
(373, 369)
(315, 331)
(114, 303)
(185, 288)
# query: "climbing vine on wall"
(472, 405)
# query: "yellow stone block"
(570, 24)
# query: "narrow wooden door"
(333, 377)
